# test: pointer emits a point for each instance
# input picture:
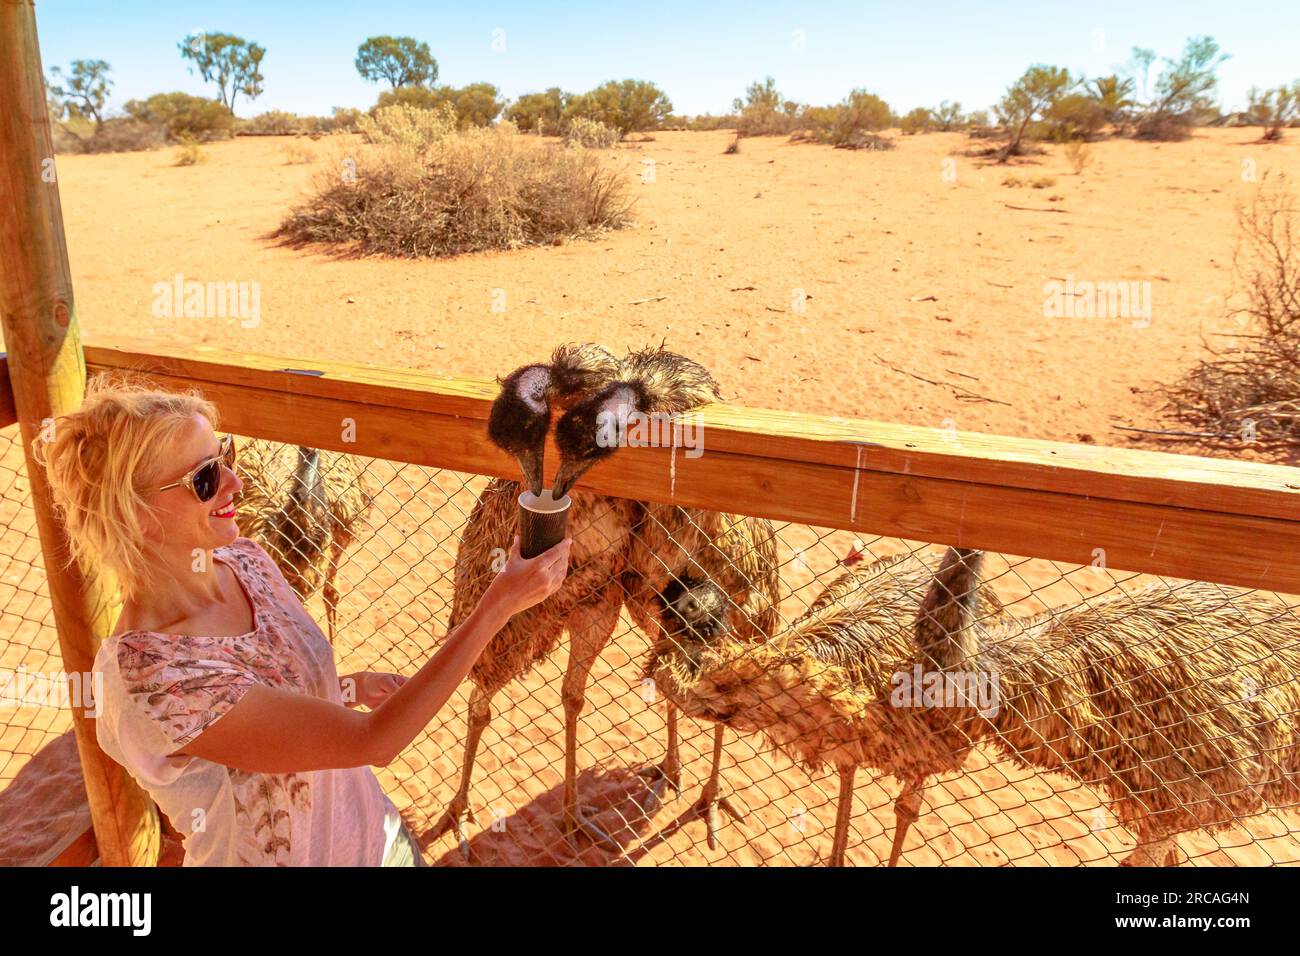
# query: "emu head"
(577, 370)
(591, 430)
(520, 418)
(693, 615)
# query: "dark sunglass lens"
(206, 480)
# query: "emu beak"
(570, 471)
(530, 462)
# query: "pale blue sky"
(702, 54)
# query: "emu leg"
(710, 800)
(667, 773)
(907, 809)
(843, 813)
(589, 631)
(459, 810)
(330, 592)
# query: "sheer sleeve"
(164, 693)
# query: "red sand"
(908, 277)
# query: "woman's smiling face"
(183, 520)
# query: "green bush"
(628, 106)
(764, 112)
(181, 114)
(474, 105)
(1073, 116)
(707, 121)
(917, 121)
(406, 125)
(850, 125)
(588, 132)
(276, 123)
(539, 112)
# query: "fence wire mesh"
(1108, 716)
(1187, 693)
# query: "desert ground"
(922, 277)
(913, 263)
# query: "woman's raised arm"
(278, 731)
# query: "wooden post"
(48, 373)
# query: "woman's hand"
(370, 688)
(524, 582)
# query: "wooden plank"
(1232, 487)
(1152, 537)
(47, 376)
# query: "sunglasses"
(205, 479)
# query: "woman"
(219, 692)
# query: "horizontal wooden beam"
(1181, 516)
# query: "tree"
(624, 105)
(229, 61)
(477, 104)
(1183, 90)
(85, 92)
(1142, 60)
(402, 61)
(1114, 95)
(946, 116)
(474, 105)
(539, 112)
(1027, 99)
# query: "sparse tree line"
(78, 100)
(1046, 102)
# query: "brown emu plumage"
(587, 604)
(302, 505)
(1181, 703)
(819, 689)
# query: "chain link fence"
(1096, 708)
(1130, 705)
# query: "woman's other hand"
(524, 582)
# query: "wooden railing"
(1231, 522)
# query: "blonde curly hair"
(103, 459)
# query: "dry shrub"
(297, 152)
(1250, 391)
(408, 126)
(733, 147)
(590, 133)
(472, 191)
(1013, 181)
(1079, 155)
(1043, 182)
(189, 153)
(1162, 128)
